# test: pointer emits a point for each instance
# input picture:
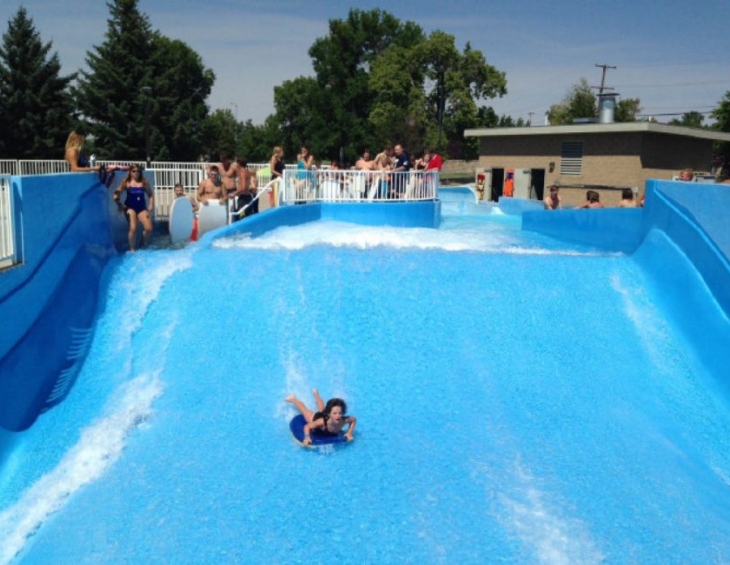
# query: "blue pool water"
(518, 400)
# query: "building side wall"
(619, 160)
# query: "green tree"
(379, 80)
(331, 111)
(257, 141)
(219, 134)
(580, 102)
(35, 104)
(689, 120)
(139, 79)
(303, 113)
(181, 85)
(721, 115)
(627, 110)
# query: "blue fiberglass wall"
(679, 220)
(70, 229)
(64, 236)
(692, 217)
(395, 214)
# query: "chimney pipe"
(606, 107)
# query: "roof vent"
(606, 107)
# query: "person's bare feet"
(291, 398)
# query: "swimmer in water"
(329, 420)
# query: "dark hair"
(242, 161)
(593, 196)
(332, 402)
(627, 194)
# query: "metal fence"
(298, 186)
(357, 186)
(7, 228)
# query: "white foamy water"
(341, 234)
(543, 527)
(98, 448)
(139, 281)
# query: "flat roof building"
(605, 156)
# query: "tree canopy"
(689, 119)
(141, 84)
(379, 80)
(581, 103)
(35, 104)
(721, 114)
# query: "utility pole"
(147, 90)
(603, 79)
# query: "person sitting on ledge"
(553, 201)
(593, 200)
(686, 175)
(627, 199)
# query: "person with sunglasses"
(136, 207)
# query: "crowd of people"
(553, 200)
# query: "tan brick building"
(606, 157)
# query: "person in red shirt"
(435, 161)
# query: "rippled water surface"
(518, 400)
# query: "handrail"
(264, 190)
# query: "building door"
(497, 184)
(538, 184)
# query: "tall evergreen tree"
(35, 104)
(112, 96)
(143, 85)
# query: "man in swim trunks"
(228, 172)
(211, 188)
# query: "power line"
(674, 84)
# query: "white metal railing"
(357, 186)
(8, 254)
(9, 167)
(38, 167)
(165, 181)
(236, 213)
(298, 186)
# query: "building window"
(571, 158)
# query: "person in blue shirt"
(401, 169)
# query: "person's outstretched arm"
(352, 421)
(313, 425)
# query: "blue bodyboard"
(297, 431)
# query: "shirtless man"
(211, 188)
(365, 163)
(384, 159)
(246, 191)
(361, 181)
(228, 172)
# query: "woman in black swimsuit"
(329, 419)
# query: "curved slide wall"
(70, 229)
(65, 235)
(681, 239)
